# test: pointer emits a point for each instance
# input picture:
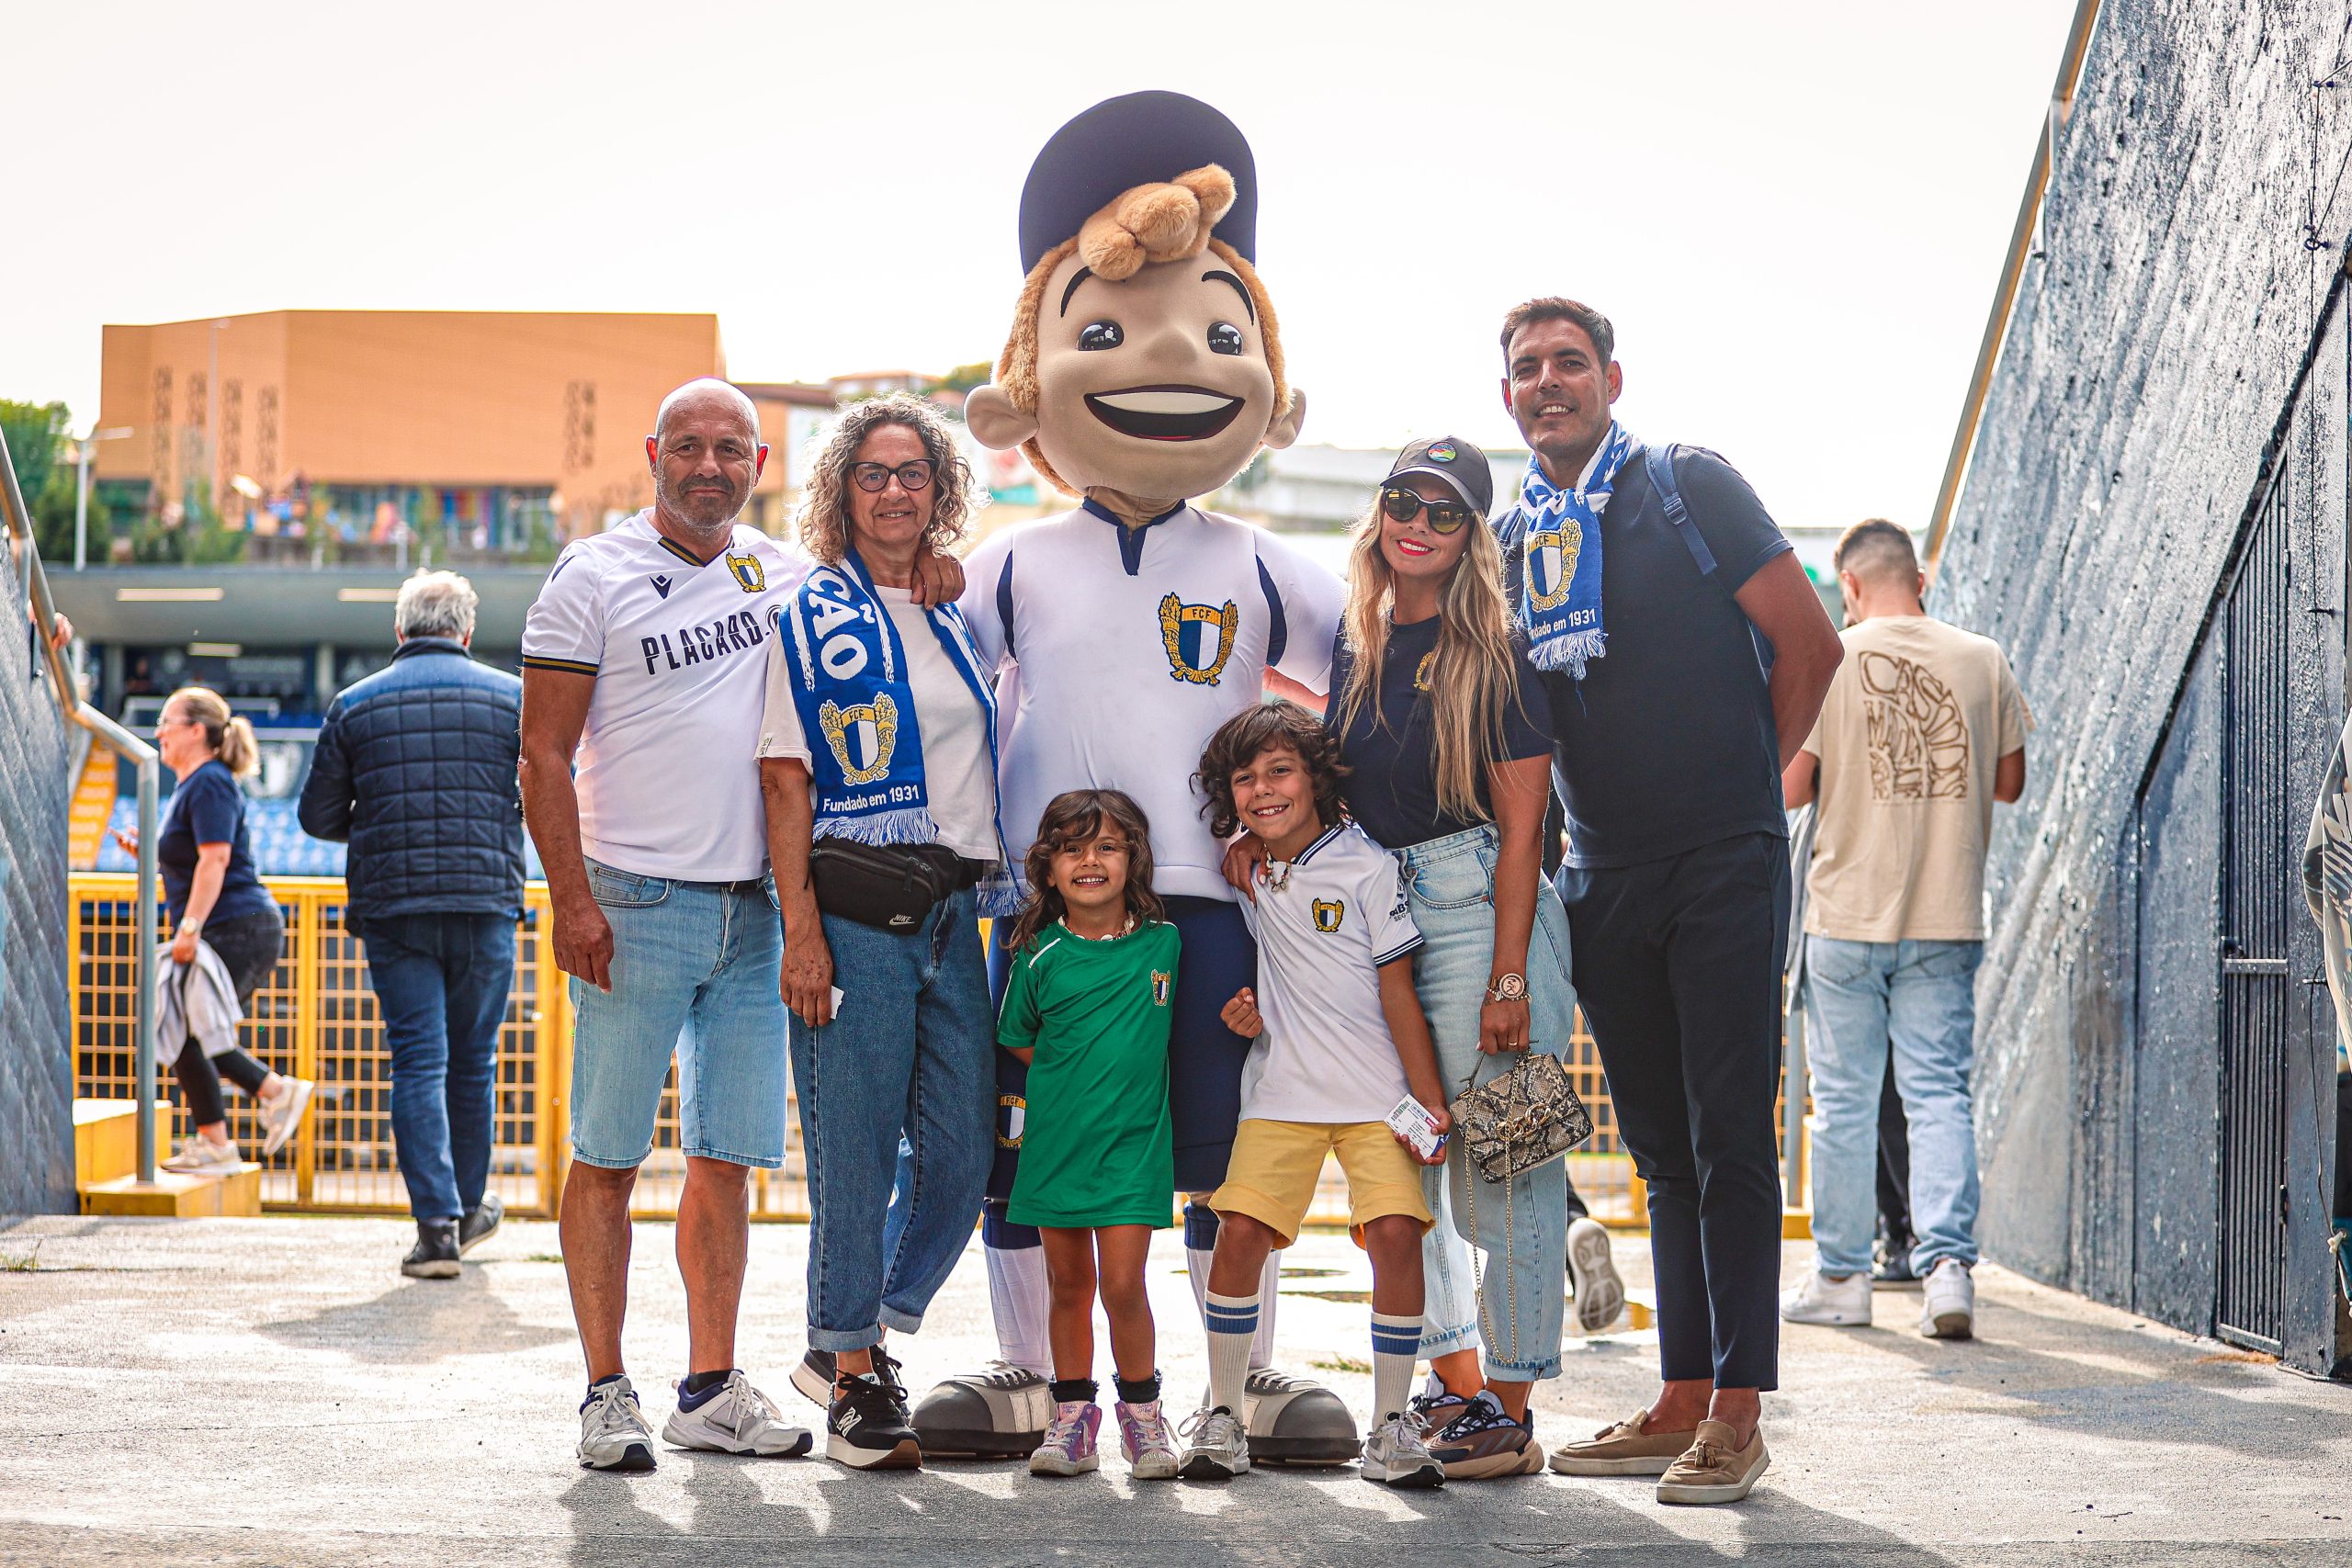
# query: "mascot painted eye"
(1226, 338)
(1106, 334)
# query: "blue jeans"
(898, 1120)
(694, 970)
(1919, 999)
(442, 983)
(1522, 1232)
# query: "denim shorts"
(694, 972)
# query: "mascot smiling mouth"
(1165, 413)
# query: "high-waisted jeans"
(1523, 1232)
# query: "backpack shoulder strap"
(1659, 461)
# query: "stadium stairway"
(106, 1170)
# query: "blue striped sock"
(1396, 1346)
(1232, 1322)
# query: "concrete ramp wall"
(36, 1065)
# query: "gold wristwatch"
(1508, 989)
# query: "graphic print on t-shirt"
(1199, 639)
(1919, 740)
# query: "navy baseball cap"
(1138, 139)
(1461, 466)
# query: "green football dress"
(1095, 1147)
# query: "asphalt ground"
(273, 1392)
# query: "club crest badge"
(1162, 982)
(1552, 563)
(1011, 1114)
(1329, 913)
(749, 573)
(1199, 639)
(862, 737)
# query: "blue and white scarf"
(857, 712)
(1559, 536)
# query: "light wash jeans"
(1523, 1235)
(898, 1119)
(694, 972)
(1917, 998)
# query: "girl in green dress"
(1086, 1006)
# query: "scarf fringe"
(911, 825)
(1568, 653)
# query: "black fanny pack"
(889, 887)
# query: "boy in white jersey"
(1144, 366)
(1340, 1041)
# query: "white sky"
(1793, 212)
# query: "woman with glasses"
(878, 769)
(1447, 739)
(215, 899)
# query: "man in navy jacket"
(416, 769)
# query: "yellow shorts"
(1271, 1175)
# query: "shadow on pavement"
(419, 1321)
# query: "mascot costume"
(1143, 368)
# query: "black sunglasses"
(912, 476)
(1404, 505)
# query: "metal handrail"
(123, 744)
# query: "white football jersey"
(1120, 651)
(667, 782)
(1325, 925)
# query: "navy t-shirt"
(1667, 742)
(1391, 787)
(208, 808)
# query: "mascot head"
(1144, 357)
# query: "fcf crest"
(1012, 1117)
(862, 737)
(1329, 913)
(749, 572)
(1552, 563)
(1162, 982)
(1199, 639)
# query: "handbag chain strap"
(1510, 1250)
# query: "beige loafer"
(1624, 1449)
(1715, 1469)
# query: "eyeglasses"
(1404, 505)
(912, 476)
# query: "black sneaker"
(866, 1427)
(814, 1376)
(1891, 1261)
(435, 1255)
(481, 1222)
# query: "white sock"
(1231, 1321)
(1022, 1302)
(1269, 1285)
(1396, 1346)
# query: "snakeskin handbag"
(1522, 1119)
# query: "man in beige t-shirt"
(1923, 730)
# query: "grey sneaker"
(1396, 1454)
(279, 1116)
(199, 1156)
(613, 1433)
(1215, 1448)
(736, 1419)
(1592, 1274)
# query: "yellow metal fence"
(316, 1015)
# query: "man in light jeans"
(1924, 729)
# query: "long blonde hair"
(229, 739)
(1471, 674)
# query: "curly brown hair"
(1072, 818)
(1242, 738)
(822, 519)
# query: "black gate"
(2257, 881)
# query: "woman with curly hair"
(877, 766)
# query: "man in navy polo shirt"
(1686, 656)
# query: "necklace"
(1278, 874)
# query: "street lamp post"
(82, 489)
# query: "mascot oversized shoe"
(1296, 1421)
(999, 1411)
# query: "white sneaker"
(1948, 1311)
(279, 1116)
(1215, 1448)
(737, 1419)
(199, 1156)
(613, 1433)
(1396, 1454)
(1838, 1303)
(1592, 1274)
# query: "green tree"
(964, 378)
(52, 512)
(36, 436)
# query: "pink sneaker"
(1069, 1447)
(1145, 1440)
